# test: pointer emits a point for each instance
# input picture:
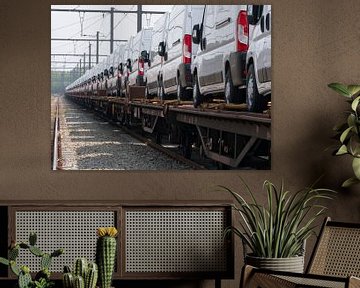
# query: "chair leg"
(217, 283)
(246, 274)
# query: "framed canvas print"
(170, 87)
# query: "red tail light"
(141, 67)
(187, 49)
(242, 33)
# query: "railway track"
(93, 142)
(55, 133)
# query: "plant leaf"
(4, 261)
(349, 182)
(351, 120)
(345, 134)
(356, 167)
(355, 103)
(354, 145)
(354, 90)
(340, 88)
(342, 150)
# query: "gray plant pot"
(291, 264)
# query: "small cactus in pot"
(85, 275)
(106, 254)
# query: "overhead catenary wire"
(76, 34)
(84, 46)
(71, 24)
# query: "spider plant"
(280, 229)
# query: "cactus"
(91, 276)
(44, 273)
(79, 282)
(87, 272)
(4, 261)
(57, 252)
(13, 253)
(45, 261)
(42, 278)
(67, 269)
(14, 268)
(68, 280)
(24, 245)
(24, 279)
(36, 251)
(105, 254)
(32, 238)
(80, 268)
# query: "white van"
(140, 48)
(107, 74)
(93, 80)
(114, 71)
(89, 81)
(219, 66)
(125, 67)
(155, 60)
(177, 50)
(104, 76)
(258, 60)
(100, 89)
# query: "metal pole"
(112, 29)
(84, 63)
(139, 17)
(89, 55)
(80, 69)
(63, 80)
(97, 47)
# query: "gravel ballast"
(91, 143)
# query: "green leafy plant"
(43, 283)
(279, 229)
(42, 278)
(349, 132)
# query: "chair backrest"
(337, 251)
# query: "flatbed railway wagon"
(226, 133)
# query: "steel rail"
(56, 138)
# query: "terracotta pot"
(291, 264)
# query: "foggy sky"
(67, 25)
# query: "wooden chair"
(334, 263)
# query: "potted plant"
(42, 278)
(349, 132)
(276, 233)
(84, 274)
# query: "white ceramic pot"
(291, 264)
